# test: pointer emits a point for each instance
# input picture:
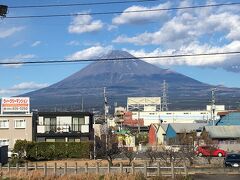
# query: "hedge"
(54, 150)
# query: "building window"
(4, 123)
(50, 124)
(4, 142)
(20, 123)
(77, 122)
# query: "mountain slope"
(124, 78)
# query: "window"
(77, 122)
(50, 124)
(4, 142)
(20, 123)
(4, 123)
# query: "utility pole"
(164, 96)
(105, 115)
(94, 139)
(213, 107)
(82, 103)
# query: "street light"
(3, 10)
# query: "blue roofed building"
(174, 129)
(231, 118)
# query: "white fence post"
(172, 170)
(145, 169)
(76, 167)
(108, 168)
(158, 169)
(65, 168)
(26, 167)
(86, 167)
(133, 168)
(45, 169)
(121, 167)
(185, 169)
(55, 169)
(97, 168)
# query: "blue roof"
(232, 118)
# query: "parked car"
(210, 151)
(232, 160)
(11, 154)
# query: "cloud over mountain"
(22, 87)
(84, 24)
(141, 17)
(92, 52)
(193, 31)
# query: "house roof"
(223, 131)
(164, 127)
(187, 127)
(157, 126)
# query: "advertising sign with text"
(15, 104)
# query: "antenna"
(164, 96)
(213, 107)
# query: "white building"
(148, 108)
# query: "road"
(214, 177)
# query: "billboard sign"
(15, 104)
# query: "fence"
(156, 170)
(56, 169)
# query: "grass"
(37, 175)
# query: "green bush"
(53, 150)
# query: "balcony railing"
(63, 128)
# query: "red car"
(210, 151)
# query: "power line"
(119, 59)
(79, 4)
(121, 12)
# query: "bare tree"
(129, 154)
(107, 151)
(186, 142)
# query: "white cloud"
(17, 58)
(224, 61)
(90, 53)
(141, 17)
(73, 43)
(4, 33)
(36, 43)
(84, 24)
(187, 26)
(29, 86)
(22, 88)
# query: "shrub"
(53, 150)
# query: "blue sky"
(192, 31)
